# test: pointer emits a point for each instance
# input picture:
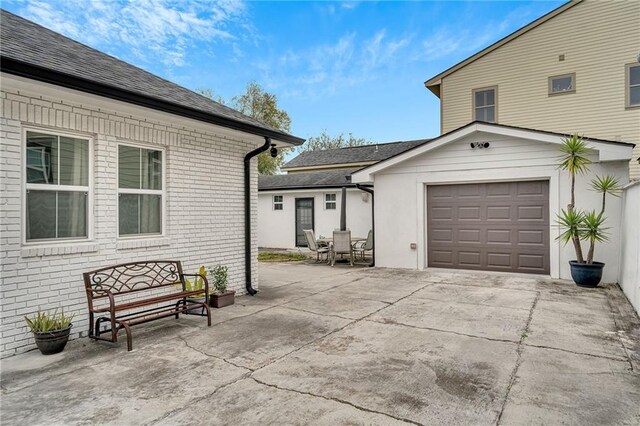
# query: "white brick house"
(90, 180)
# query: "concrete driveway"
(322, 345)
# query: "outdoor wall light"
(273, 151)
(479, 145)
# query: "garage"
(486, 197)
(499, 226)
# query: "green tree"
(262, 106)
(325, 141)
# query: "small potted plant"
(51, 331)
(582, 225)
(221, 297)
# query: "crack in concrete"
(457, 333)
(215, 356)
(610, 358)
(338, 400)
(514, 372)
(197, 400)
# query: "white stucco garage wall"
(276, 228)
(401, 195)
(630, 238)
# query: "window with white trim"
(484, 105)
(278, 202)
(140, 191)
(633, 85)
(562, 84)
(57, 187)
(329, 201)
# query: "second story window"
(562, 84)
(633, 85)
(330, 201)
(140, 191)
(278, 202)
(485, 105)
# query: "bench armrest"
(206, 285)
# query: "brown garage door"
(502, 226)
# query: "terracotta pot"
(220, 300)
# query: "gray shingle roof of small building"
(357, 154)
(324, 179)
(34, 45)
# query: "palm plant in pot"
(197, 284)
(51, 331)
(579, 225)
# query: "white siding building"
(104, 163)
(309, 196)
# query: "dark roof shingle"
(324, 179)
(28, 43)
(357, 154)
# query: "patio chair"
(361, 247)
(314, 246)
(341, 245)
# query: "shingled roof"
(310, 180)
(365, 154)
(33, 51)
(333, 178)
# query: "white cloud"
(152, 29)
(328, 68)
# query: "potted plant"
(197, 284)
(51, 331)
(221, 297)
(579, 225)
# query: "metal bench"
(116, 293)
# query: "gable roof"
(33, 51)
(361, 155)
(433, 83)
(608, 150)
(307, 180)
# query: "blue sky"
(341, 66)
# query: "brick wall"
(204, 215)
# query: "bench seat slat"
(150, 301)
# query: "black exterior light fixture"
(479, 145)
(273, 151)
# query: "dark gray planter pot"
(52, 342)
(586, 275)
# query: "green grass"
(269, 256)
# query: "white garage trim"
(607, 150)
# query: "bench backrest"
(133, 276)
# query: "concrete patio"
(321, 345)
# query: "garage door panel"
(489, 226)
(469, 213)
(498, 213)
(501, 236)
(499, 260)
(469, 236)
(470, 258)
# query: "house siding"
(204, 203)
(598, 38)
(276, 228)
